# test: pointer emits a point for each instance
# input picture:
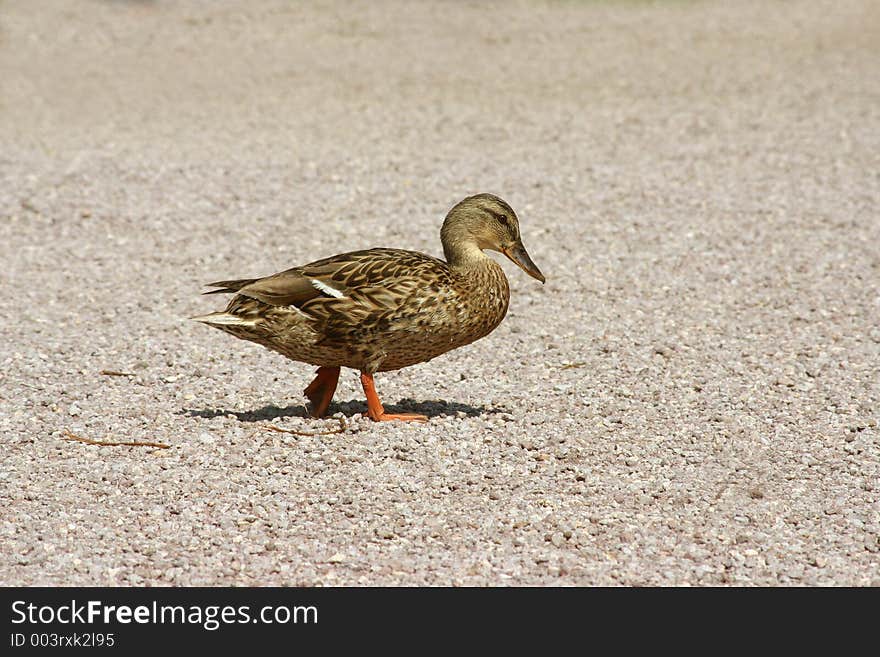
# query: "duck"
(382, 309)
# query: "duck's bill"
(518, 254)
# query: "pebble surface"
(691, 399)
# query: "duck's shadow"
(438, 408)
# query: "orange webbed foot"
(374, 407)
(403, 417)
(320, 391)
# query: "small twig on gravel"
(341, 429)
(27, 205)
(88, 441)
(571, 366)
(115, 373)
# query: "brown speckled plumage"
(384, 309)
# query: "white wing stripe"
(321, 286)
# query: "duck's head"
(482, 222)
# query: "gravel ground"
(692, 398)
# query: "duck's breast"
(442, 317)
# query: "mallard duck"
(382, 309)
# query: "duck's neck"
(465, 255)
(461, 249)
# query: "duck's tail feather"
(224, 319)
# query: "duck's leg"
(320, 391)
(374, 406)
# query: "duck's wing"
(286, 288)
(350, 284)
